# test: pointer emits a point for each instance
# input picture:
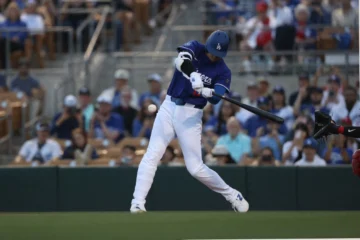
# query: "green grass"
(178, 225)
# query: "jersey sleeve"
(224, 80)
(191, 47)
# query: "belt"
(181, 102)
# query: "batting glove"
(196, 82)
(207, 92)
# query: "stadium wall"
(110, 189)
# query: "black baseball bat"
(252, 109)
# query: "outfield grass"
(178, 225)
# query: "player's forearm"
(219, 90)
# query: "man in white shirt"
(310, 158)
(346, 16)
(41, 149)
(332, 96)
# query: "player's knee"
(152, 157)
(196, 171)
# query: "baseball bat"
(252, 109)
(322, 130)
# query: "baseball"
(152, 108)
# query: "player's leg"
(188, 127)
(161, 135)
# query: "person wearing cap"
(255, 122)
(86, 107)
(264, 86)
(252, 94)
(280, 108)
(310, 158)
(155, 87)
(219, 156)
(66, 121)
(303, 85)
(36, 26)
(332, 96)
(237, 143)
(41, 149)
(126, 110)
(121, 77)
(106, 124)
(316, 95)
(26, 83)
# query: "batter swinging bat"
(255, 110)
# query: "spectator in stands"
(69, 119)
(16, 38)
(252, 94)
(208, 140)
(106, 124)
(255, 122)
(121, 77)
(169, 159)
(270, 137)
(292, 150)
(3, 6)
(346, 16)
(142, 9)
(319, 14)
(337, 151)
(237, 143)
(128, 156)
(86, 107)
(305, 35)
(144, 122)
(351, 109)
(316, 95)
(218, 123)
(263, 87)
(3, 85)
(126, 111)
(310, 158)
(74, 20)
(79, 150)
(265, 158)
(48, 11)
(155, 87)
(27, 84)
(257, 33)
(40, 149)
(332, 96)
(36, 26)
(304, 83)
(208, 113)
(280, 108)
(219, 156)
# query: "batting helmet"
(217, 43)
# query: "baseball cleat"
(240, 204)
(136, 208)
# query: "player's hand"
(196, 82)
(207, 92)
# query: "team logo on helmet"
(218, 47)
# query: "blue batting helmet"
(217, 43)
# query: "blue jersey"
(212, 74)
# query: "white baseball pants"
(186, 122)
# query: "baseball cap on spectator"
(334, 79)
(304, 76)
(261, 7)
(316, 90)
(220, 150)
(104, 99)
(84, 91)
(70, 101)
(251, 84)
(278, 89)
(310, 143)
(155, 77)
(262, 79)
(263, 101)
(42, 126)
(122, 74)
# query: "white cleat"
(240, 204)
(137, 208)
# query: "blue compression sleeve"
(219, 90)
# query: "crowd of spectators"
(26, 25)
(231, 135)
(274, 25)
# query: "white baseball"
(152, 108)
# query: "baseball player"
(200, 70)
(325, 126)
